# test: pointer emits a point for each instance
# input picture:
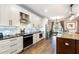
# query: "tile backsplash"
(8, 30)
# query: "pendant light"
(72, 16)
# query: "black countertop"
(18, 35)
(32, 33)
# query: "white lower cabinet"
(36, 38)
(4, 47)
(11, 46)
(20, 44)
(13, 49)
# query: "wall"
(71, 30)
(78, 26)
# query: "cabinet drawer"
(13, 40)
(65, 46)
(12, 45)
(4, 42)
(5, 51)
(13, 49)
(3, 47)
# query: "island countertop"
(73, 36)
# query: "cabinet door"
(13, 49)
(4, 14)
(15, 15)
(13, 45)
(19, 44)
(65, 46)
(35, 38)
(4, 47)
(16, 45)
(77, 46)
(9, 15)
(38, 39)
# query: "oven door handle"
(28, 36)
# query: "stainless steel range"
(27, 40)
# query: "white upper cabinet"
(10, 14)
(15, 14)
(15, 17)
(4, 14)
(35, 19)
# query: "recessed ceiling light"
(45, 10)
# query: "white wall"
(71, 30)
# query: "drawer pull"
(13, 45)
(67, 44)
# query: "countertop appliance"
(1, 36)
(22, 31)
(27, 40)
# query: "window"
(57, 27)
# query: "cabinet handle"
(67, 44)
(13, 45)
(10, 22)
(28, 36)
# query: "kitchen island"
(67, 43)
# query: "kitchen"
(24, 30)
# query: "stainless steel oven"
(27, 40)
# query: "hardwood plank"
(42, 47)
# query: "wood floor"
(42, 47)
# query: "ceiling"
(50, 10)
